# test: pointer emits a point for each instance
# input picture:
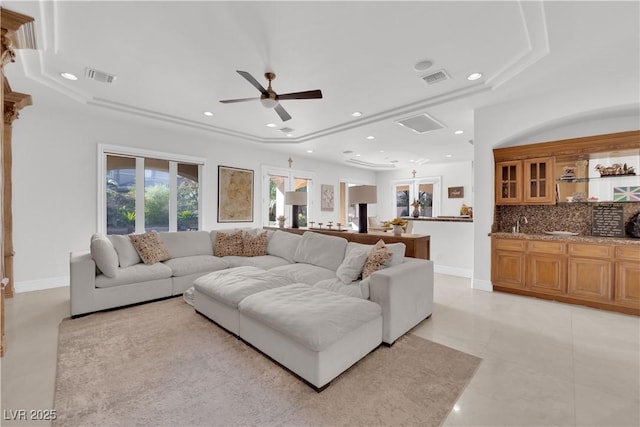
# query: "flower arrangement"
(281, 218)
(395, 221)
(416, 204)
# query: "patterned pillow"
(254, 245)
(376, 259)
(150, 248)
(229, 244)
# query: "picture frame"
(235, 194)
(326, 197)
(456, 192)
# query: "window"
(143, 191)
(425, 190)
(277, 182)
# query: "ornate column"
(16, 31)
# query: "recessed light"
(289, 135)
(356, 114)
(357, 155)
(68, 76)
(382, 151)
(423, 65)
(371, 137)
(272, 125)
(458, 132)
(474, 76)
(309, 151)
(411, 161)
(448, 155)
(208, 113)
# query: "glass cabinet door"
(508, 182)
(539, 181)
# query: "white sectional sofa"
(301, 300)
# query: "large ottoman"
(216, 295)
(315, 333)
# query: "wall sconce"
(363, 194)
(295, 199)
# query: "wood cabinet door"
(539, 181)
(547, 273)
(508, 269)
(627, 288)
(590, 279)
(508, 182)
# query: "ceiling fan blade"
(231, 101)
(309, 94)
(282, 113)
(253, 81)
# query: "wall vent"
(99, 76)
(421, 123)
(436, 77)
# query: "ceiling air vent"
(286, 130)
(436, 77)
(421, 123)
(99, 76)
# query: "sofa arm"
(82, 282)
(405, 293)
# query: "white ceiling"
(175, 60)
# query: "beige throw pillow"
(376, 259)
(229, 244)
(254, 245)
(150, 248)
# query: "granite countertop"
(579, 239)
(439, 218)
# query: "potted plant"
(398, 225)
(416, 208)
(281, 220)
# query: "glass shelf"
(594, 178)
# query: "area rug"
(162, 364)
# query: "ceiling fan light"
(268, 102)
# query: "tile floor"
(544, 363)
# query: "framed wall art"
(456, 192)
(235, 194)
(326, 201)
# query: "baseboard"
(483, 285)
(41, 284)
(453, 271)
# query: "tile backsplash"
(574, 217)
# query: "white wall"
(55, 179)
(547, 118)
(457, 174)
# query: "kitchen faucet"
(518, 223)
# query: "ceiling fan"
(270, 99)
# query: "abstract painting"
(235, 194)
(326, 201)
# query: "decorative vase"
(397, 229)
(416, 212)
(281, 224)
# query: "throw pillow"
(376, 259)
(127, 253)
(104, 254)
(351, 267)
(254, 245)
(229, 244)
(150, 248)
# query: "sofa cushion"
(150, 247)
(228, 244)
(187, 243)
(186, 265)
(134, 274)
(354, 259)
(376, 259)
(321, 250)
(104, 254)
(266, 262)
(352, 289)
(313, 317)
(283, 244)
(305, 273)
(127, 254)
(397, 251)
(254, 244)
